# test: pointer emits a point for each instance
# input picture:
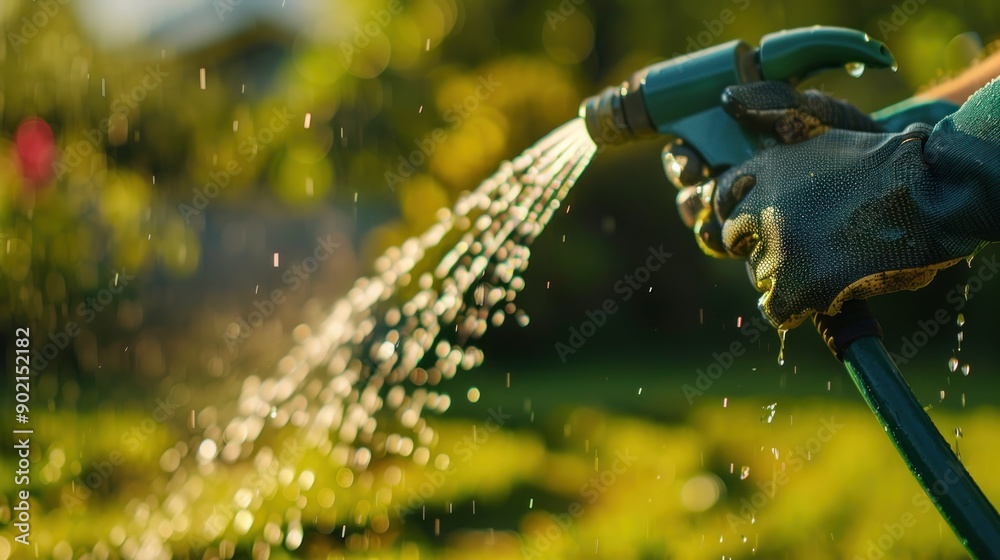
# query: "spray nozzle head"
(618, 114)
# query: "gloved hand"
(832, 214)
(774, 108)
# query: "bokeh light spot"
(569, 41)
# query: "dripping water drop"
(855, 69)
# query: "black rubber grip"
(854, 321)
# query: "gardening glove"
(774, 108)
(832, 214)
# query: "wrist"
(963, 156)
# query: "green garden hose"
(855, 337)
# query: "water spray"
(681, 99)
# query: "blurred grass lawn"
(547, 478)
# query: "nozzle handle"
(795, 54)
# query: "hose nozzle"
(681, 97)
(660, 99)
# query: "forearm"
(959, 89)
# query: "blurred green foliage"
(820, 482)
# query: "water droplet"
(894, 67)
(744, 472)
(385, 351)
(855, 69)
(769, 412)
(522, 318)
(781, 346)
(953, 364)
(960, 321)
(958, 432)
(345, 477)
(965, 369)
